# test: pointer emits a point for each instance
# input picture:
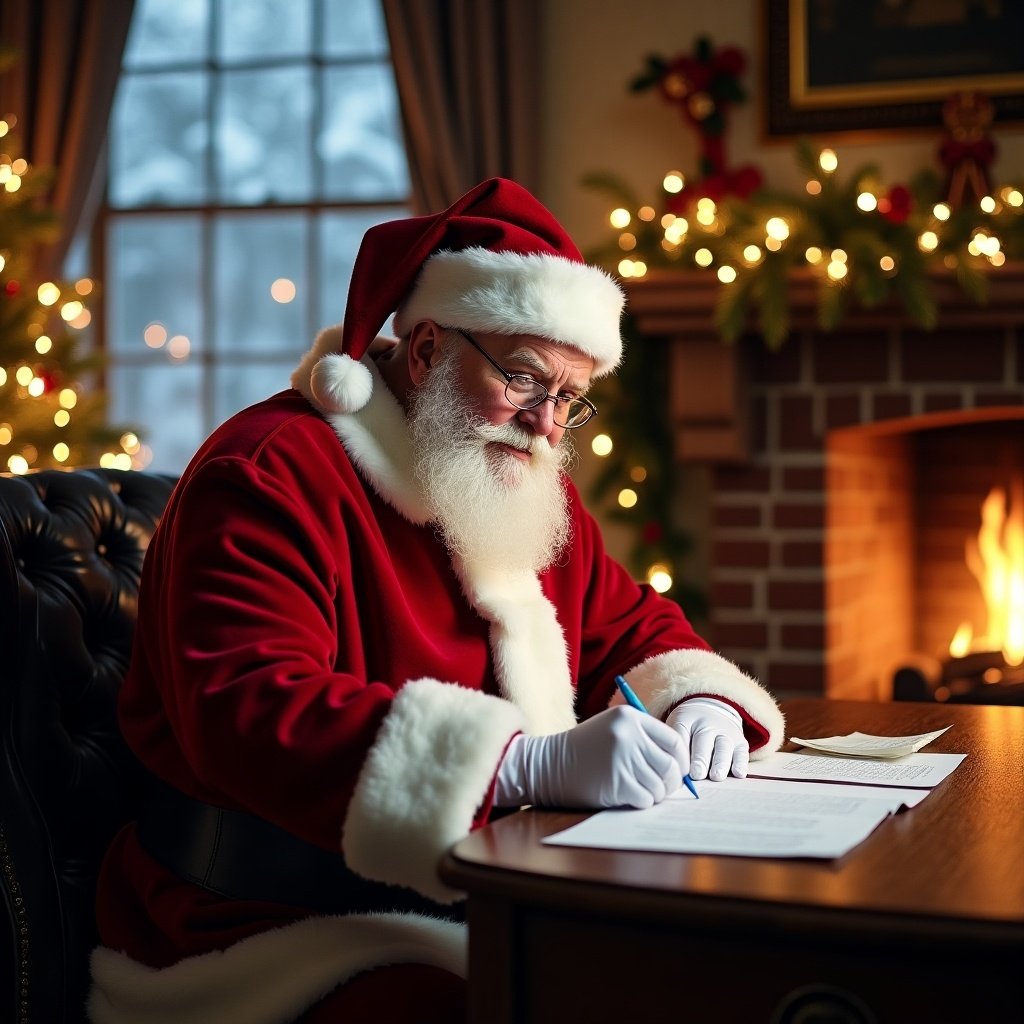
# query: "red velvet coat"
(308, 652)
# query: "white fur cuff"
(423, 781)
(664, 680)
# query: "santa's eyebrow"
(530, 360)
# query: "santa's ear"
(423, 349)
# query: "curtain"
(67, 57)
(467, 83)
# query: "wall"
(593, 48)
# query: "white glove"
(712, 733)
(618, 758)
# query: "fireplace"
(847, 472)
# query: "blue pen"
(635, 702)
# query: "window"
(252, 143)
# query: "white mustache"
(510, 434)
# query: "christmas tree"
(48, 415)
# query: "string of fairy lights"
(708, 221)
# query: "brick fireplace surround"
(847, 469)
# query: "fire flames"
(996, 559)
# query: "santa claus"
(374, 615)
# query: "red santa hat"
(495, 261)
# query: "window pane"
(154, 275)
(361, 142)
(251, 29)
(263, 136)
(243, 384)
(354, 29)
(158, 140)
(163, 401)
(167, 31)
(251, 252)
(338, 238)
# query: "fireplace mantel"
(708, 395)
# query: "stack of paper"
(793, 805)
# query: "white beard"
(491, 508)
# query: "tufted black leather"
(71, 551)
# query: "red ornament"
(51, 379)
(896, 205)
(12, 287)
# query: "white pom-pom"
(340, 383)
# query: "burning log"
(980, 677)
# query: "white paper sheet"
(862, 744)
(919, 771)
(746, 818)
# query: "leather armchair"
(71, 551)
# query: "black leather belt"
(243, 857)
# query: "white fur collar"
(527, 643)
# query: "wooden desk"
(924, 921)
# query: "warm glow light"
(867, 202)
(82, 320)
(61, 451)
(828, 161)
(941, 211)
(627, 241)
(839, 255)
(813, 254)
(639, 268)
(987, 204)
(155, 335)
(83, 286)
(997, 259)
(726, 275)
(36, 386)
(68, 398)
(703, 257)
(625, 268)
(772, 244)
(813, 187)
(647, 213)
(673, 182)
(660, 578)
(23, 375)
(602, 445)
(776, 228)
(282, 290)
(3, 261)
(12, 184)
(996, 559)
(928, 241)
(961, 642)
(836, 270)
(5, 433)
(48, 293)
(619, 217)
(130, 443)
(19, 166)
(706, 217)
(62, 417)
(1015, 198)
(887, 263)
(3, 376)
(627, 497)
(43, 344)
(752, 254)
(17, 465)
(638, 474)
(179, 347)
(675, 231)
(71, 310)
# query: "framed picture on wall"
(869, 65)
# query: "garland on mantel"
(865, 241)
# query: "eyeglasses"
(524, 392)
